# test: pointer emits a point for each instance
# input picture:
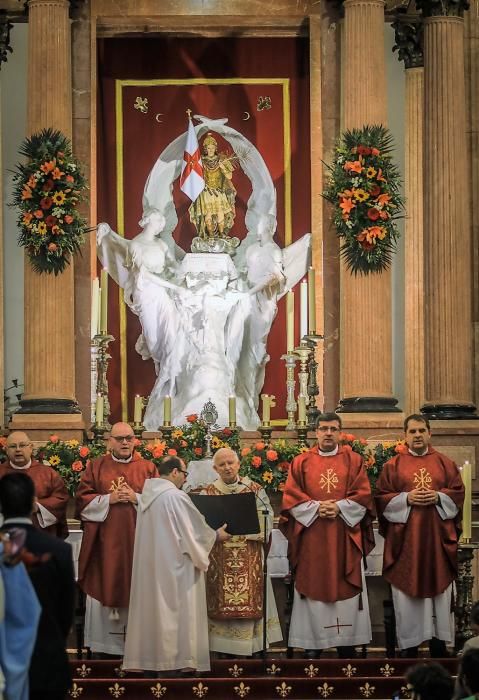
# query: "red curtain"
(173, 74)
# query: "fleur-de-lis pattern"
(273, 670)
(367, 690)
(242, 690)
(325, 690)
(387, 670)
(75, 691)
(405, 692)
(311, 671)
(283, 690)
(235, 671)
(141, 104)
(116, 690)
(200, 690)
(83, 671)
(158, 690)
(349, 670)
(119, 672)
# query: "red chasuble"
(326, 556)
(50, 491)
(106, 554)
(420, 555)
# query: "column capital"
(71, 4)
(442, 8)
(5, 27)
(409, 35)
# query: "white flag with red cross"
(192, 182)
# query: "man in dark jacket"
(52, 577)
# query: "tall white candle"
(290, 322)
(301, 409)
(104, 302)
(138, 408)
(466, 473)
(312, 300)
(304, 309)
(95, 290)
(232, 409)
(99, 409)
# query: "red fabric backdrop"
(143, 136)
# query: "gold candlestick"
(290, 360)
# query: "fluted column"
(49, 304)
(366, 337)
(447, 233)
(409, 42)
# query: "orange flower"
(375, 190)
(158, 451)
(56, 230)
(373, 214)
(192, 418)
(283, 466)
(384, 198)
(401, 448)
(198, 451)
(27, 217)
(77, 466)
(363, 441)
(374, 151)
(349, 437)
(52, 247)
(47, 166)
(46, 202)
(57, 174)
(51, 220)
(26, 193)
(38, 214)
(364, 150)
(32, 182)
(271, 455)
(136, 442)
(3, 441)
(148, 448)
(353, 166)
(227, 432)
(84, 451)
(48, 185)
(183, 443)
(384, 215)
(346, 193)
(69, 178)
(68, 219)
(256, 461)
(245, 451)
(346, 205)
(172, 452)
(54, 438)
(379, 176)
(259, 446)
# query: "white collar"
(27, 466)
(329, 454)
(417, 454)
(123, 461)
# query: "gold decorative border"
(119, 84)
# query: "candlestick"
(268, 403)
(138, 409)
(99, 406)
(167, 410)
(232, 410)
(290, 360)
(467, 507)
(289, 322)
(303, 319)
(104, 302)
(311, 300)
(301, 409)
(95, 290)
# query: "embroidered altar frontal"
(234, 580)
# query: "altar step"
(297, 679)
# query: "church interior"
(226, 314)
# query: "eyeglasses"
(19, 446)
(325, 428)
(123, 438)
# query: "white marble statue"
(205, 317)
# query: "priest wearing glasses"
(106, 504)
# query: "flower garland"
(47, 191)
(364, 188)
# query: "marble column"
(409, 42)
(49, 397)
(447, 232)
(366, 332)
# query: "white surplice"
(167, 621)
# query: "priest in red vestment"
(106, 504)
(419, 499)
(326, 517)
(51, 494)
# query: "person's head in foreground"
(429, 681)
(173, 469)
(468, 675)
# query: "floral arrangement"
(47, 191)
(364, 188)
(268, 464)
(69, 458)
(188, 441)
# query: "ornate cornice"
(5, 27)
(442, 8)
(408, 32)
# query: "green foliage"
(364, 188)
(47, 191)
